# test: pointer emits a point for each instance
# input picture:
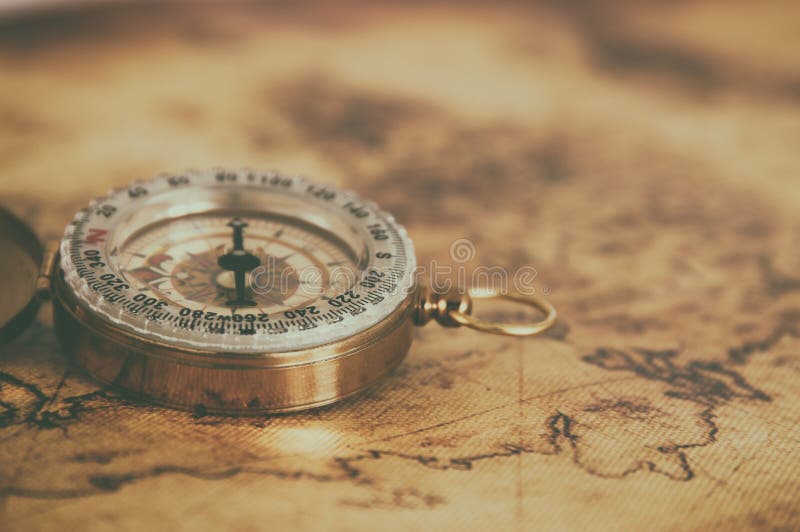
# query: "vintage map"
(644, 158)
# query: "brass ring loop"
(508, 329)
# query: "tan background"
(643, 158)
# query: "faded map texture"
(644, 158)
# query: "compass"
(243, 292)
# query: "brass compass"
(236, 292)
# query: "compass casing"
(185, 379)
(126, 308)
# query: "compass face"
(180, 261)
(241, 262)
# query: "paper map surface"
(643, 158)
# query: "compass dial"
(244, 262)
(183, 262)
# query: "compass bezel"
(95, 282)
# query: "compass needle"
(239, 262)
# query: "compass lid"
(20, 256)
